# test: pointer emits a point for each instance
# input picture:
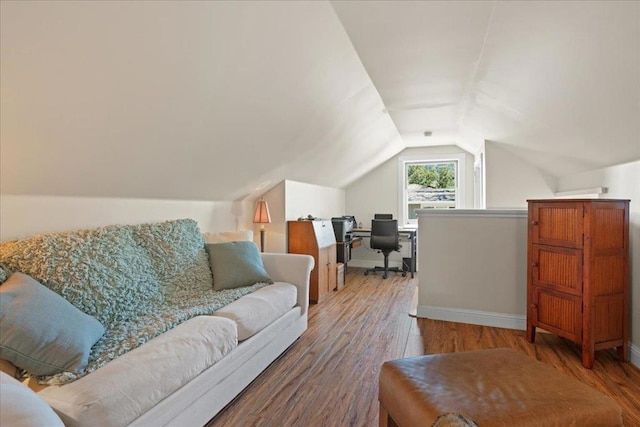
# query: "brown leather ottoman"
(498, 387)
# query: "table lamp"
(262, 217)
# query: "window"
(430, 184)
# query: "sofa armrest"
(291, 268)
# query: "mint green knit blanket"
(137, 280)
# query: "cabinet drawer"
(557, 312)
(557, 268)
(556, 224)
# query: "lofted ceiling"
(222, 100)
(557, 83)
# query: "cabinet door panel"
(558, 313)
(608, 223)
(608, 318)
(607, 275)
(557, 268)
(323, 279)
(557, 224)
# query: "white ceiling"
(556, 82)
(222, 100)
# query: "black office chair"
(382, 216)
(384, 238)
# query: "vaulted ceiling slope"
(557, 83)
(183, 100)
(222, 100)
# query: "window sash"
(436, 198)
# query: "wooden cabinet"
(315, 238)
(578, 272)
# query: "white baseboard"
(475, 317)
(634, 354)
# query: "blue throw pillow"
(236, 264)
(40, 331)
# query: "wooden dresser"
(578, 272)
(315, 238)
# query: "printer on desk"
(343, 229)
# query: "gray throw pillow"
(40, 331)
(236, 264)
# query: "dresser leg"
(623, 352)
(385, 419)
(531, 333)
(587, 357)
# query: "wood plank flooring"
(329, 376)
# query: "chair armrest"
(291, 268)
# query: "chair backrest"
(382, 216)
(384, 234)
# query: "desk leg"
(344, 273)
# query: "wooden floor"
(329, 376)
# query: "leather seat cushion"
(498, 387)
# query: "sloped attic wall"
(510, 179)
(214, 101)
(554, 82)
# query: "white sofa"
(187, 375)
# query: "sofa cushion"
(127, 387)
(21, 407)
(236, 264)
(255, 311)
(42, 332)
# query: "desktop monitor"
(383, 216)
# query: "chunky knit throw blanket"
(123, 336)
(137, 280)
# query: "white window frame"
(459, 158)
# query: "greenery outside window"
(430, 184)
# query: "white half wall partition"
(473, 266)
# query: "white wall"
(510, 180)
(22, 216)
(174, 100)
(303, 199)
(275, 239)
(473, 266)
(379, 192)
(623, 182)
(290, 200)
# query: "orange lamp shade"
(262, 213)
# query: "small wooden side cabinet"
(578, 272)
(315, 238)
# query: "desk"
(410, 234)
(344, 252)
